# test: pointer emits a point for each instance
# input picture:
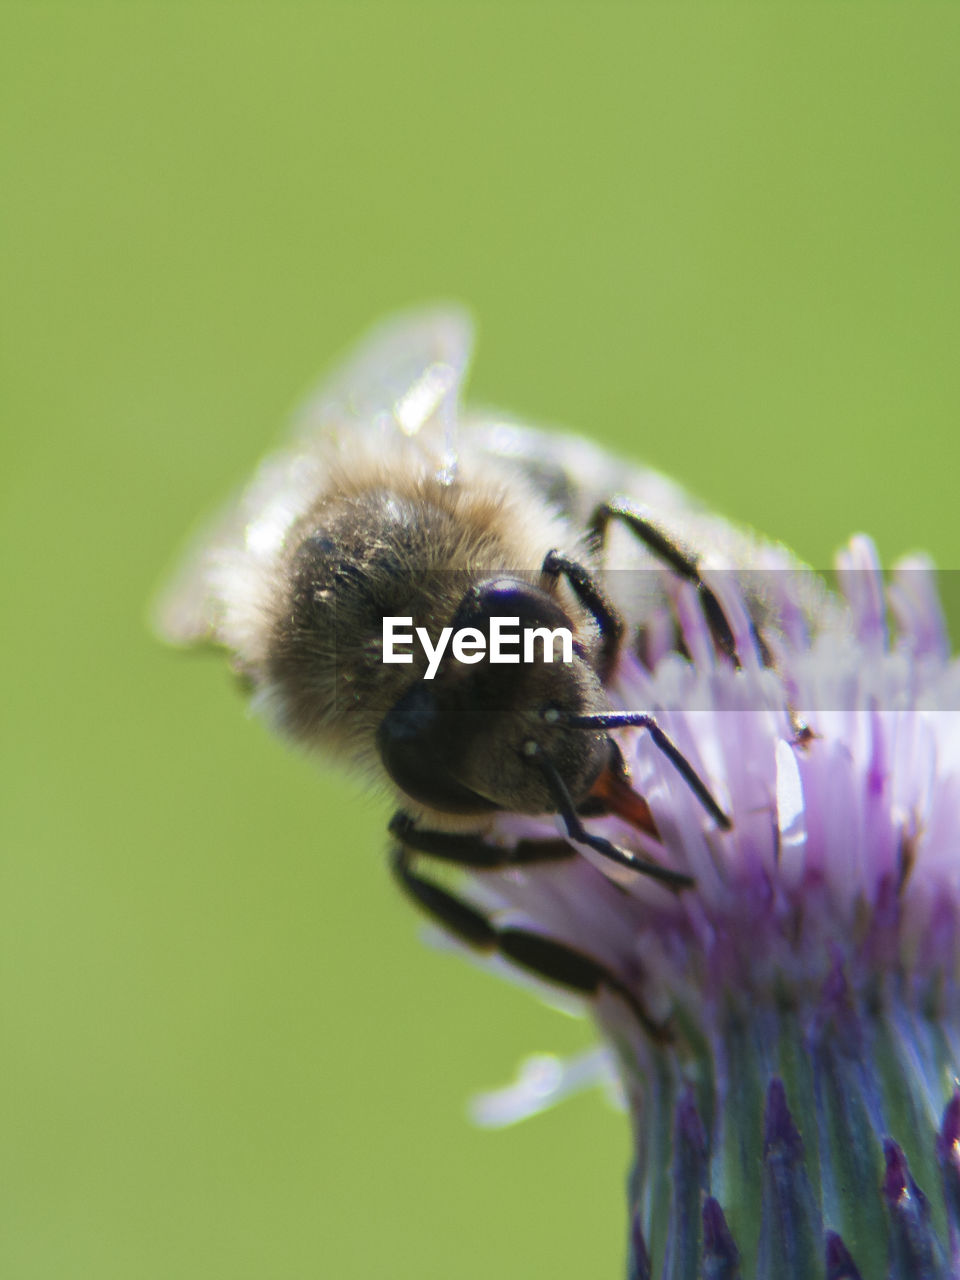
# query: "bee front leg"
(585, 588)
(674, 556)
(552, 961)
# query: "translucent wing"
(405, 378)
(402, 381)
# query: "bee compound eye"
(411, 718)
(509, 597)
(421, 743)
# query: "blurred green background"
(722, 239)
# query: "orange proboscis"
(614, 789)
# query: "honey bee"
(394, 505)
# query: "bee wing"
(402, 381)
(574, 476)
(190, 608)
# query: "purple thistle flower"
(795, 1112)
(784, 1008)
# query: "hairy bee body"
(392, 502)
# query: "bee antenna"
(640, 720)
(562, 798)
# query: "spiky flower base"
(788, 1031)
(772, 1153)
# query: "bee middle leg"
(554, 962)
(466, 849)
(674, 556)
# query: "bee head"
(472, 740)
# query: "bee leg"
(466, 849)
(587, 591)
(552, 961)
(674, 880)
(672, 554)
(641, 720)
